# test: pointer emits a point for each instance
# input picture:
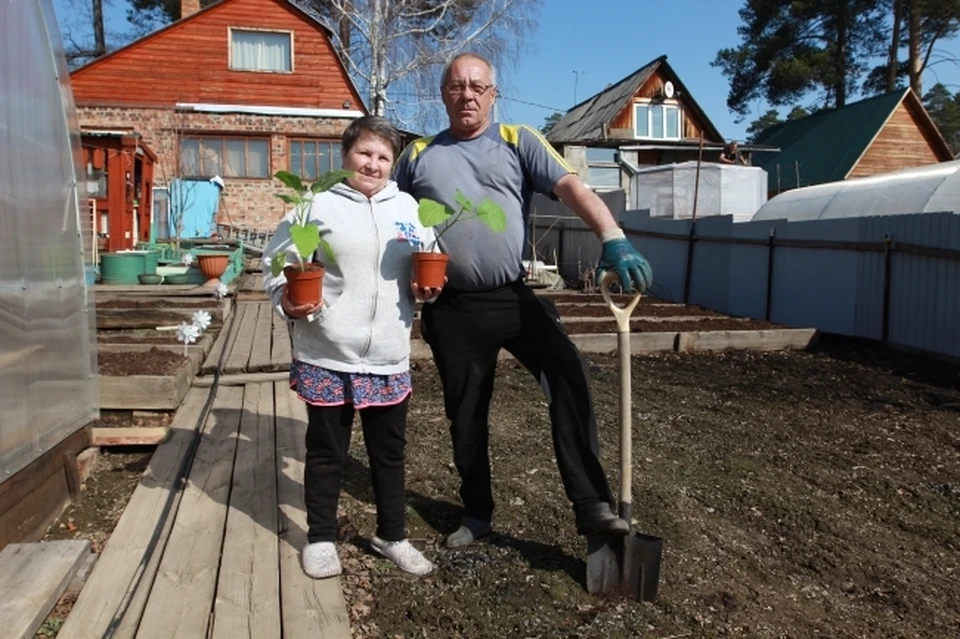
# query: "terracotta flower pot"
(213, 266)
(430, 269)
(306, 286)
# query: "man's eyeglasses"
(456, 89)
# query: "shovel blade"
(626, 566)
(604, 558)
(641, 566)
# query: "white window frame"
(603, 164)
(230, 66)
(664, 106)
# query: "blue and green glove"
(619, 255)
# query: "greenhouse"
(719, 189)
(928, 189)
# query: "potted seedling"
(430, 268)
(305, 275)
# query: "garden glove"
(619, 255)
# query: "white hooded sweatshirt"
(364, 325)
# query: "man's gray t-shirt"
(506, 164)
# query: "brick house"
(239, 89)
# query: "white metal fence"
(892, 278)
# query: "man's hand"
(632, 268)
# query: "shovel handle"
(622, 315)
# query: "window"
(261, 51)
(603, 169)
(311, 158)
(227, 157)
(657, 121)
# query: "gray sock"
(469, 531)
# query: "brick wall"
(244, 202)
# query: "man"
(485, 305)
(731, 154)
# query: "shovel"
(628, 566)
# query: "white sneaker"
(404, 555)
(320, 560)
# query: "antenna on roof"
(576, 78)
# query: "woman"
(351, 352)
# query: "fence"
(560, 236)
(891, 278)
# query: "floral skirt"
(322, 387)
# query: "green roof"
(825, 146)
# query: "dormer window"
(255, 50)
(656, 121)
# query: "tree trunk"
(914, 58)
(344, 29)
(99, 39)
(841, 81)
(893, 58)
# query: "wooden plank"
(132, 318)
(248, 591)
(129, 436)
(183, 591)
(766, 340)
(242, 378)
(310, 607)
(242, 344)
(263, 335)
(150, 510)
(225, 339)
(32, 578)
(280, 354)
(34, 496)
(639, 342)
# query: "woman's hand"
(427, 293)
(296, 312)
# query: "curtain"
(261, 51)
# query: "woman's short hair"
(379, 126)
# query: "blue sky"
(610, 39)
(605, 40)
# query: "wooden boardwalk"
(209, 545)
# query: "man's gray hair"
(476, 56)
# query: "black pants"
(328, 441)
(466, 331)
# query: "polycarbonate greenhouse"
(47, 376)
(720, 189)
(927, 189)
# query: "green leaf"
(492, 215)
(292, 180)
(306, 239)
(462, 200)
(432, 213)
(328, 180)
(277, 263)
(289, 199)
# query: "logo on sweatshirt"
(407, 232)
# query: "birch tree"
(394, 49)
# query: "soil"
(570, 309)
(640, 326)
(799, 495)
(146, 337)
(152, 362)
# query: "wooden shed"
(888, 132)
(118, 168)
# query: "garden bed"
(154, 379)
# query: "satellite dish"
(668, 89)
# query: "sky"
(581, 46)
